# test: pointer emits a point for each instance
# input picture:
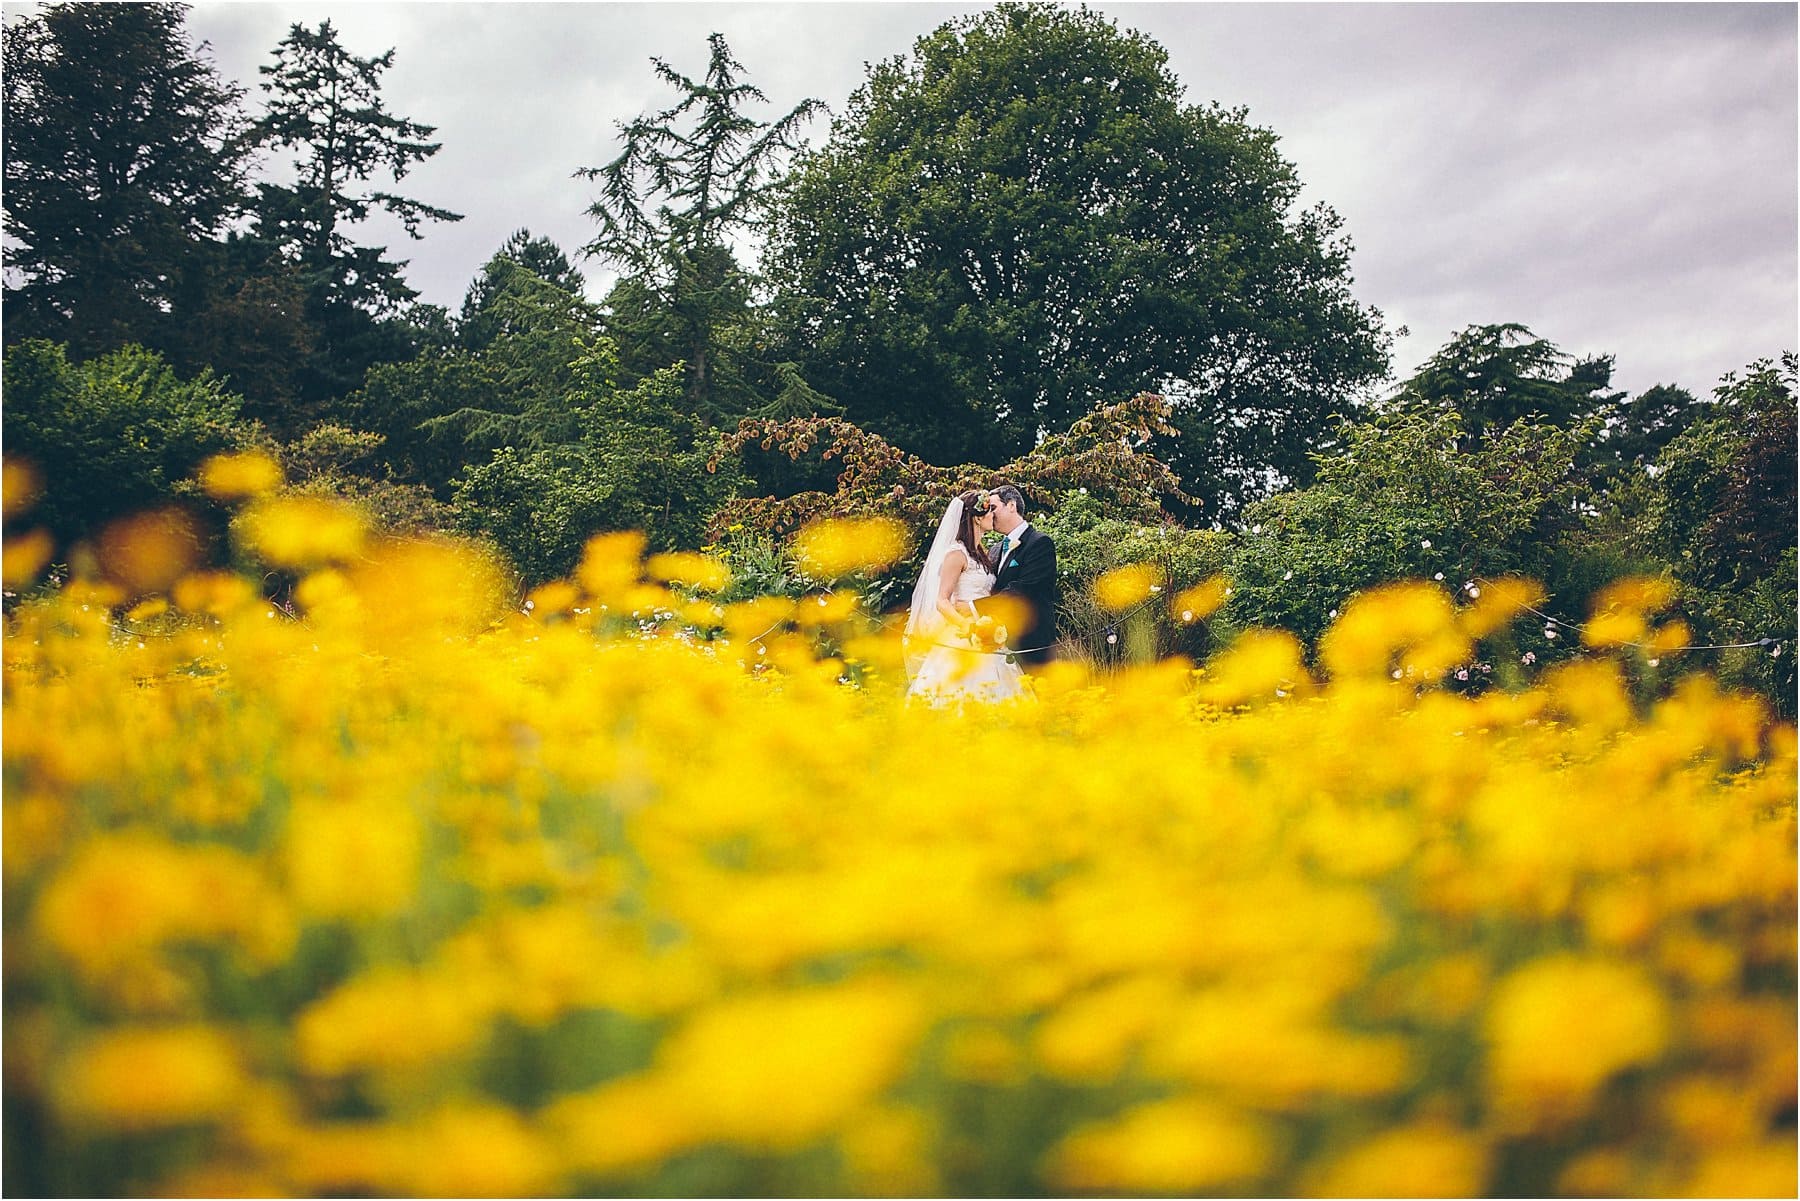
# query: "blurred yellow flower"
(150, 551)
(1122, 587)
(837, 547)
(773, 1071)
(1260, 666)
(25, 555)
(239, 474)
(351, 858)
(1498, 602)
(132, 1079)
(299, 532)
(1559, 1027)
(1182, 1145)
(1422, 1160)
(685, 568)
(611, 564)
(20, 485)
(1201, 601)
(1414, 621)
(390, 1019)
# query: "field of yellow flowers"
(412, 891)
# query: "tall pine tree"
(689, 179)
(124, 159)
(325, 104)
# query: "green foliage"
(1723, 514)
(523, 278)
(1091, 539)
(1402, 500)
(114, 435)
(122, 160)
(525, 359)
(333, 460)
(639, 463)
(1022, 220)
(688, 179)
(1492, 376)
(325, 104)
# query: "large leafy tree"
(1023, 219)
(689, 180)
(325, 104)
(123, 160)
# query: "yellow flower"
(702, 572)
(218, 593)
(241, 474)
(478, 1150)
(25, 556)
(887, 1150)
(1414, 621)
(1560, 1027)
(1122, 587)
(1201, 601)
(149, 552)
(1621, 609)
(1260, 666)
(1498, 603)
(150, 1077)
(125, 896)
(1422, 1160)
(351, 858)
(611, 564)
(300, 532)
(622, 1126)
(391, 1019)
(832, 548)
(776, 1070)
(558, 596)
(20, 484)
(1182, 1145)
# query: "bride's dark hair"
(974, 505)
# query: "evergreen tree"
(325, 104)
(123, 160)
(689, 180)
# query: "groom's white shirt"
(1012, 547)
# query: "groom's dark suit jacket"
(1028, 575)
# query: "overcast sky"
(1621, 178)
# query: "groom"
(1024, 597)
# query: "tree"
(1023, 220)
(1636, 430)
(1494, 375)
(689, 180)
(638, 462)
(521, 260)
(114, 435)
(526, 356)
(1725, 505)
(1403, 499)
(325, 103)
(1724, 512)
(123, 158)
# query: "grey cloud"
(1621, 177)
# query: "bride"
(952, 653)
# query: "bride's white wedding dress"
(945, 668)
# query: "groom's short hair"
(1008, 494)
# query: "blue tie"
(1005, 545)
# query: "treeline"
(1010, 231)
